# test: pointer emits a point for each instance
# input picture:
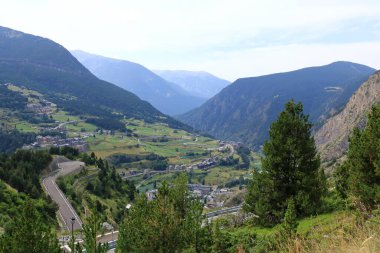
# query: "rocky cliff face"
(332, 137)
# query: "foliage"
(29, 233)
(11, 99)
(359, 176)
(227, 242)
(109, 182)
(89, 159)
(290, 169)
(22, 170)
(229, 161)
(234, 182)
(244, 153)
(107, 123)
(290, 220)
(91, 229)
(120, 159)
(10, 201)
(156, 162)
(33, 118)
(67, 151)
(102, 190)
(12, 140)
(169, 223)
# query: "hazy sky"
(231, 39)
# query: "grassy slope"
(343, 231)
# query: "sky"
(228, 38)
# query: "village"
(212, 196)
(56, 134)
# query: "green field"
(177, 146)
(221, 175)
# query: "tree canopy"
(359, 176)
(169, 223)
(290, 169)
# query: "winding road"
(65, 212)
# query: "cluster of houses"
(208, 163)
(203, 165)
(198, 190)
(182, 167)
(56, 141)
(211, 195)
(45, 107)
(234, 144)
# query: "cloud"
(171, 33)
(268, 60)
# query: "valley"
(102, 154)
(145, 155)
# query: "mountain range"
(197, 83)
(332, 137)
(244, 110)
(164, 95)
(47, 67)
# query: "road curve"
(65, 212)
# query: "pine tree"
(91, 229)
(290, 169)
(290, 220)
(170, 223)
(359, 176)
(29, 234)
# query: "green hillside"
(48, 68)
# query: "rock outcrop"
(332, 137)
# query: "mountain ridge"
(244, 110)
(134, 77)
(47, 67)
(332, 137)
(198, 83)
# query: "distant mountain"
(47, 67)
(198, 83)
(165, 96)
(244, 110)
(332, 137)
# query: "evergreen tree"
(290, 169)
(91, 229)
(290, 220)
(170, 223)
(359, 176)
(29, 233)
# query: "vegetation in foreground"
(173, 221)
(290, 172)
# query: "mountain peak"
(9, 33)
(332, 137)
(50, 69)
(164, 95)
(244, 110)
(198, 83)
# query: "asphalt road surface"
(111, 236)
(66, 212)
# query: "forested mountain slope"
(47, 67)
(168, 97)
(244, 110)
